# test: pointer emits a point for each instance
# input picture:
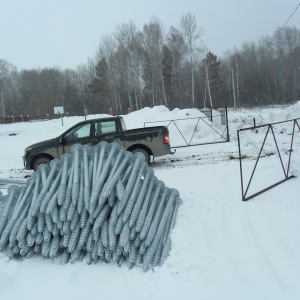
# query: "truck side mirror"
(62, 140)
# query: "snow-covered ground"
(222, 248)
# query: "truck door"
(107, 130)
(80, 134)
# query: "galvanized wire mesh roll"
(98, 204)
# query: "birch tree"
(192, 36)
(211, 74)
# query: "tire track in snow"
(262, 252)
(241, 260)
(265, 226)
(192, 159)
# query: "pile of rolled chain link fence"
(96, 204)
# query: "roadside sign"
(59, 110)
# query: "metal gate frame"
(224, 135)
(285, 170)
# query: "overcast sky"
(64, 33)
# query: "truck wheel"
(146, 154)
(40, 161)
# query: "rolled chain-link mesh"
(98, 204)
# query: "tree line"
(137, 68)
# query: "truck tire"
(144, 152)
(41, 160)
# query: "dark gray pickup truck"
(151, 141)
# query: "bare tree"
(85, 74)
(130, 59)
(177, 46)
(153, 43)
(108, 49)
(9, 92)
(192, 35)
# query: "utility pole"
(3, 107)
(233, 88)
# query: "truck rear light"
(166, 138)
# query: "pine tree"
(100, 84)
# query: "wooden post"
(111, 112)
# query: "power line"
(284, 25)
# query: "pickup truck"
(151, 141)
